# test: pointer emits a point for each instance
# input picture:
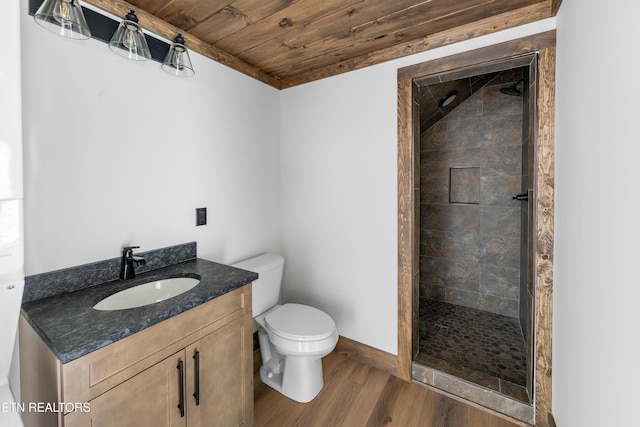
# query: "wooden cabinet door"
(148, 399)
(225, 377)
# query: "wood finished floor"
(356, 395)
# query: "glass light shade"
(177, 61)
(63, 17)
(129, 41)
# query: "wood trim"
(476, 57)
(406, 225)
(157, 26)
(544, 127)
(370, 356)
(544, 231)
(503, 21)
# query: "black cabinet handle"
(181, 387)
(196, 394)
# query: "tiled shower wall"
(470, 168)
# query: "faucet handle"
(129, 249)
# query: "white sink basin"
(147, 293)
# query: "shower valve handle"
(521, 197)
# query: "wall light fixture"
(68, 18)
(63, 17)
(129, 41)
(177, 61)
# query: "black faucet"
(128, 260)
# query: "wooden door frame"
(408, 198)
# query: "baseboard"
(373, 357)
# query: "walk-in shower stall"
(475, 299)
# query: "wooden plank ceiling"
(289, 42)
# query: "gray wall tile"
(500, 281)
(434, 189)
(500, 221)
(460, 218)
(464, 246)
(440, 162)
(499, 190)
(496, 103)
(471, 165)
(502, 160)
(433, 243)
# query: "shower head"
(513, 89)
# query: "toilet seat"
(299, 322)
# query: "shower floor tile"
(488, 343)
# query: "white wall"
(119, 152)
(339, 192)
(596, 284)
(338, 154)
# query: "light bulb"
(177, 59)
(62, 13)
(130, 37)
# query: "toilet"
(293, 337)
(10, 300)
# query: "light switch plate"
(201, 216)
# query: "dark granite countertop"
(71, 328)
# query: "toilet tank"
(265, 291)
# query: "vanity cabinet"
(192, 370)
(147, 399)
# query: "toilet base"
(300, 380)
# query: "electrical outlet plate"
(201, 216)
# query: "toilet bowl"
(293, 340)
(293, 337)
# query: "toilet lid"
(300, 322)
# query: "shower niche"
(473, 300)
